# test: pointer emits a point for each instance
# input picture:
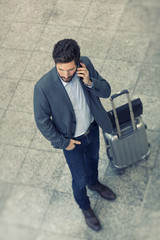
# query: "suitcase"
(128, 142)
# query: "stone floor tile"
(17, 62)
(150, 111)
(71, 14)
(98, 47)
(153, 54)
(149, 79)
(4, 27)
(130, 187)
(155, 41)
(121, 74)
(32, 11)
(129, 46)
(146, 2)
(103, 165)
(39, 64)
(11, 160)
(8, 9)
(26, 206)
(139, 17)
(97, 63)
(64, 216)
(153, 139)
(5, 189)
(2, 146)
(17, 128)
(1, 113)
(111, 1)
(8, 87)
(25, 103)
(148, 229)
(151, 202)
(156, 35)
(8, 232)
(44, 235)
(52, 34)
(41, 169)
(113, 217)
(150, 217)
(103, 16)
(62, 213)
(23, 36)
(65, 181)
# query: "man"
(67, 112)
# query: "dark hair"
(65, 51)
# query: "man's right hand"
(72, 144)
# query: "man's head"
(66, 55)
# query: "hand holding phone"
(83, 73)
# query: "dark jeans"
(83, 164)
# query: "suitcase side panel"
(131, 147)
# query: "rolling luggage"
(128, 143)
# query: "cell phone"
(80, 61)
(79, 66)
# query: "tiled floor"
(121, 37)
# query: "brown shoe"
(91, 220)
(104, 191)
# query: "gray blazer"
(53, 110)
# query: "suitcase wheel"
(120, 171)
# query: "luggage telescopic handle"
(119, 94)
(130, 110)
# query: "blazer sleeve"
(101, 87)
(42, 114)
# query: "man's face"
(66, 70)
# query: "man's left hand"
(84, 74)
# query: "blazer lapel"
(61, 89)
